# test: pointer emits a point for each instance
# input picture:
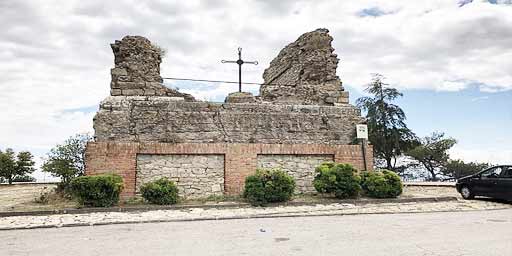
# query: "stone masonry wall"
(300, 167)
(195, 175)
(167, 119)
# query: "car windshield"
(492, 173)
(507, 172)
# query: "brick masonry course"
(240, 159)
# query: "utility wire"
(220, 81)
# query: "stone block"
(240, 97)
(119, 72)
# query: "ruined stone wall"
(300, 167)
(195, 175)
(167, 119)
(304, 72)
(137, 69)
(145, 130)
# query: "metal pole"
(239, 77)
(240, 62)
(363, 142)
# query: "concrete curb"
(429, 184)
(224, 206)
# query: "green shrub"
(381, 184)
(341, 180)
(161, 191)
(268, 186)
(97, 190)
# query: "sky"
(451, 59)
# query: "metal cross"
(240, 62)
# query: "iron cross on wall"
(240, 62)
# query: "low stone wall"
(240, 159)
(195, 175)
(300, 167)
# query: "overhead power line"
(220, 81)
(206, 80)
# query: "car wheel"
(466, 193)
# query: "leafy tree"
(13, 167)
(458, 168)
(432, 153)
(67, 160)
(388, 132)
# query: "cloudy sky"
(452, 59)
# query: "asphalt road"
(453, 233)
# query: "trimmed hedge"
(268, 186)
(381, 184)
(161, 191)
(341, 180)
(97, 190)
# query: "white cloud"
(55, 55)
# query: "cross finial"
(240, 62)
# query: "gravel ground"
(21, 197)
(15, 198)
(429, 191)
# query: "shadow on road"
(494, 200)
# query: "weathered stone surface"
(240, 97)
(304, 72)
(137, 69)
(300, 167)
(195, 175)
(168, 119)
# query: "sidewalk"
(213, 213)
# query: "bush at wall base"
(268, 186)
(162, 191)
(341, 180)
(97, 190)
(381, 184)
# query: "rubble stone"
(240, 97)
(137, 70)
(304, 72)
(195, 175)
(172, 120)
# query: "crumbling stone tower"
(137, 70)
(304, 72)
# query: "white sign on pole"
(362, 131)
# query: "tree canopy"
(67, 160)
(388, 132)
(432, 153)
(458, 168)
(15, 167)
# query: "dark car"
(495, 182)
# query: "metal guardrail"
(430, 184)
(30, 183)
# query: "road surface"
(451, 233)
